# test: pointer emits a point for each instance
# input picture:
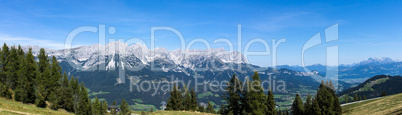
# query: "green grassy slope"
(388, 105)
(173, 113)
(11, 107)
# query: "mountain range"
(101, 67)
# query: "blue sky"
(366, 28)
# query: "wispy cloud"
(24, 41)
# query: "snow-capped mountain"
(117, 54)
(384, 60)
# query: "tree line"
(42, 83)
(249, 98)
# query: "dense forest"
(42, 83)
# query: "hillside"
(374, 86)
(11, 107)
(388, 105)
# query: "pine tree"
(152, 110)
(383, 94)
(174, 102)
(356, 98)
(364, 97)
(325, 99)
(297, 106)
(31, 74)
(307, 105)
(193, 102)
(233, 96)
(54, 88)
(11, 68)
(315, 108)
(43, 85)
(76, 92)
(84, 106)
(254, 96)
(67, 101)
(187, 99)
(210, 109)
(125, 108)
(337, 105)
(96, 107)
(113, 110)
(201, 108)
(270, 103)
(3, 59)
(346, 98)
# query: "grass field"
(10, 107)
(389, 105)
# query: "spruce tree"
(307, 104)
(315, 108)
(337, 106)
(84, 107)
(346, 98)
(325, 98)
(43, 85)
(96, 107)
(356, 98)
(201, 108)
(233, 96)
(125, 108)
(270, 103)
(3, 59)
(113, 110)
(194, 102)
(210, 109)
(297, 106)
(174, 102)
(11, 68)
(254, 96)
(67, 101)
(364, 97)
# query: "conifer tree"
(113, 110)
(315, 108)
(43, 85)
(201, 108)
(325, 99)
(337, 106)
(11, 68)
(233, 96)
(210, 109)
(297, 106)
(67, 101)
(270, 103)
(356, 98)
(96, 107)
(254, 96)
(84, 106)
(307, 104)
(125, 109)
(364, 97)
(346, 98)
(193, 101)
(174, 102)
(3, 59)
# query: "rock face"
(117, 54)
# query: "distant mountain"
(374, 86)
(375, 61)
(357, 71)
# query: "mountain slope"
(11, 107)
(374, 86)
(388, 105)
